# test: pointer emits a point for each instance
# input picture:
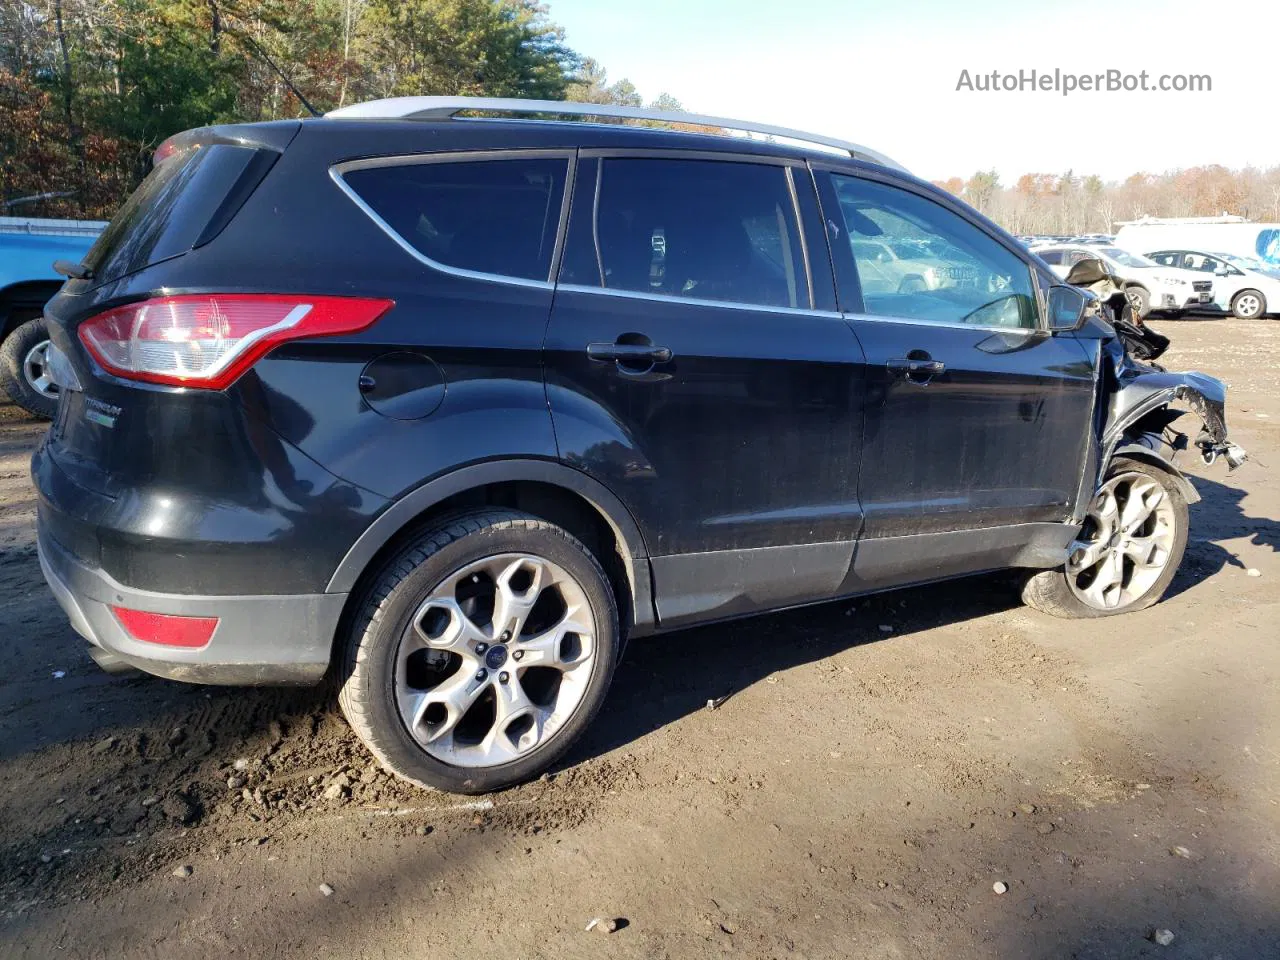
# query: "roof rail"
(445, 108)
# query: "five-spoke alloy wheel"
(1127, 550)
(481, 652)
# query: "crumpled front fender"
(1138, 409)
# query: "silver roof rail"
(445, 108)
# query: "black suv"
(452, 406)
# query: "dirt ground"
(877, 768)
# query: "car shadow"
(1218, 517)
(667, 677)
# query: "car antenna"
(272, 64)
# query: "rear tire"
(1127, 553)
(474, 712)
(22, 369)
(1248, 305)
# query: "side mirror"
(1222, 272)
(1068, 307)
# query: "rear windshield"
(167, 213)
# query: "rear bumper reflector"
(166, 628)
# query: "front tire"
(1127, 552)
(23, 371)
(1248, 305)
(1139, 299)
(480, 653)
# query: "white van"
(1254, 241)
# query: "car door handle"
(917, 369)
(630, 354)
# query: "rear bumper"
(259, 640)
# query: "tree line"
(1068, 203)
(89, 88)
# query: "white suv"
(1148, 285)
(1248, 288)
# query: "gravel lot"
(857, 795)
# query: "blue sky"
(885, 75)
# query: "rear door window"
(167, 214)
(495, 216)
(699, 229)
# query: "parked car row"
(1148, 285)
(1192, 270)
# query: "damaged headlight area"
(1139, 411)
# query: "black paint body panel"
(756, 469)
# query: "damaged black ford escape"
(452, 405)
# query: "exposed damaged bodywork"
(1139, 419)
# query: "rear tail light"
(208, 340)
(166, 150)
(166, 628)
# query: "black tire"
(1049, 591)
(13, 353)
(1139, 299)
(1248, 305)
(367, 661)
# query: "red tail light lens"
(166, 628)
(208, 340)
(165, 151)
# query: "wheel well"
(20, 301)
(1146, 455)
(547, 501)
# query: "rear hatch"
(105, 427)
(200, 180)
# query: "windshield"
(1250, 264)
(1125, 258)
(1244, 263)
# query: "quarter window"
(702, 229)
(490, 216)
(918, 260)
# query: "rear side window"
(703, 229)
(487, 216)
(1051, 256)
(168, 213)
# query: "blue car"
(28, 248)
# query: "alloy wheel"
(35, 367)
(495, 660)
(1125, 544)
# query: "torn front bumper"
(1139, 408)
